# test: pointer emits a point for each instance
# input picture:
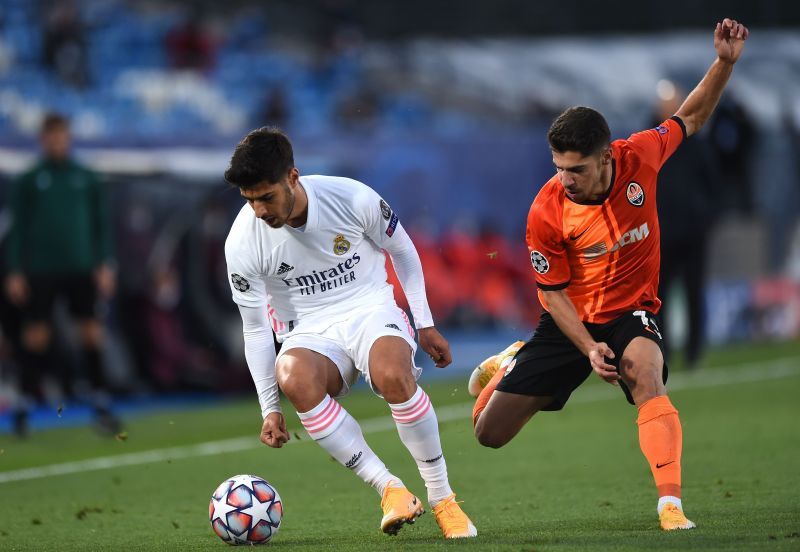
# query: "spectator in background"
(174, 361)
(59, 248)
(688, 186)
(275, 111)
(190, 46)
(64, 44)
(360, 111)
(732, 136)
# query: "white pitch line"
(730, 375)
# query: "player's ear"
(605, 157)
(294, 176)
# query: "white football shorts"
(347, 343)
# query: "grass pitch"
(571, 480)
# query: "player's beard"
(289, 204)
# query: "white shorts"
(347, 343)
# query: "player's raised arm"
(729, 37)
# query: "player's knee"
(643, 378)
(487, 437)
(395, 383)
(92, 334)
(36, 337)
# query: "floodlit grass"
(571, 480)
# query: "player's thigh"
(641, 368)
(383, 347)
(505, 415)
(306, 376)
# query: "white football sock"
(664, 499)
(419, 430)
(339, 434)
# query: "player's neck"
(299, 215)
(604, 184)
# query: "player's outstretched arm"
(729, 37)
(563, 312)
(259, 351)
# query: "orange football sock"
(486, 394)
(661, 440)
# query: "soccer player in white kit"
(305, 261)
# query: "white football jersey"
(314, 276)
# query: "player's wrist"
(589, 347)
(725, 61)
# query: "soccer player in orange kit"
(593, 237)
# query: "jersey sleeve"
(380, 222)
(247, 284)
(655, 145)
(382, 226)
(546, 245)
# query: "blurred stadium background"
(441, 108)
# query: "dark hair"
(264, 155)
(54, 121)
(580, 129)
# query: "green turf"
(571, 480)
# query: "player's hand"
(273, 432)
(17, 289)
(106, 280)
(597, 356)
(729, 37)
(437, 347)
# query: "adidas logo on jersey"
(284, 268)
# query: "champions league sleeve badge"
(386, 211)
(539, 262)
(240, 283)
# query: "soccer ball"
(245, 509)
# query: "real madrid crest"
(340, 245)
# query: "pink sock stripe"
(419, 411)
(309, 418)
(403, 410)
(322, 416)
(325, 424)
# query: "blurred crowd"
(450, 131)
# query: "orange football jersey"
(606, 253)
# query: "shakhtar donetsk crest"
(635, 194)
(340, 245)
